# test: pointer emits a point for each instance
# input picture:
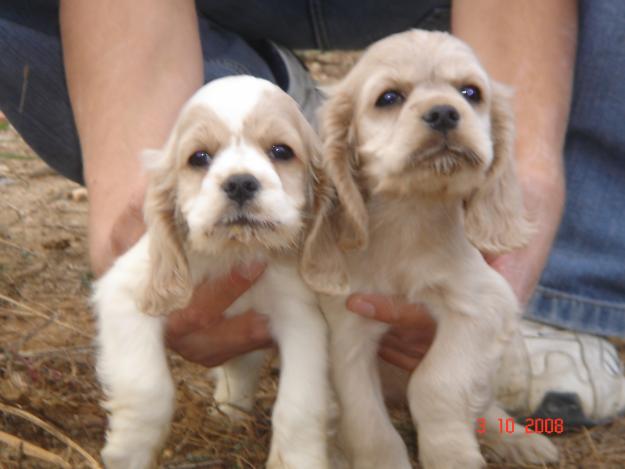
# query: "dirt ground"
(49, 398)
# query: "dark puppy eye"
(471, 93)
(199, 159)
(389, 98)
(281, 152)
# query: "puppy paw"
(134, 440)
(457, 460)
(279, 459)
(453, 449)
(376, 463)
(127, 458)
(522, 448)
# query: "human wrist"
(114, 228)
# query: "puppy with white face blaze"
(417, 150)
(232, 185)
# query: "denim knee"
(33, 94)
(583, 285)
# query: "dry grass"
(49, 409)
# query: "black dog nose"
(442, 118)
(241, 187)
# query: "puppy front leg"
(299, 419)
(236, 383)
(451, 387)
(139, 390)
(365, 430)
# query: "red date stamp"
(546, 426)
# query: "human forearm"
(130, 66)
(522, 268)
(529, 45)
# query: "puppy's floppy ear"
(340, 162)
(322, 264)
(340, 216)
(495, 219)
(168, 285)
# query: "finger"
(420, 336)
(210, 299)
(489, 258)
(398, 359)
(221, 292)
(414, 349)
(224, 340)
(390, 310)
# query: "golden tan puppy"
(418, 152)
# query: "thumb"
(211, 298)
(231, 337)
(220, 293)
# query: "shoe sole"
(567, 407)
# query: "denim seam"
(579, 299)
(318, 24)
(576, 313)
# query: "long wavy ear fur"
(340, 218)
(168, 286)
(495, 219)
(322, 264)
(340, 164)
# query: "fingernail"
(251, 271)
(362, 307)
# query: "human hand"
(412, 328)
(200, 333)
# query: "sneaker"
(547, 372)
(293, 77)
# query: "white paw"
(454, 453)
(115, 457)
(288, 459)
(522, 448)
(134, 443)
(376, 463)
(388, 451)
(374, 450)
(454, 459)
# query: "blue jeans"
(583, 285)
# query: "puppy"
(232, 185)
(420, 178)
